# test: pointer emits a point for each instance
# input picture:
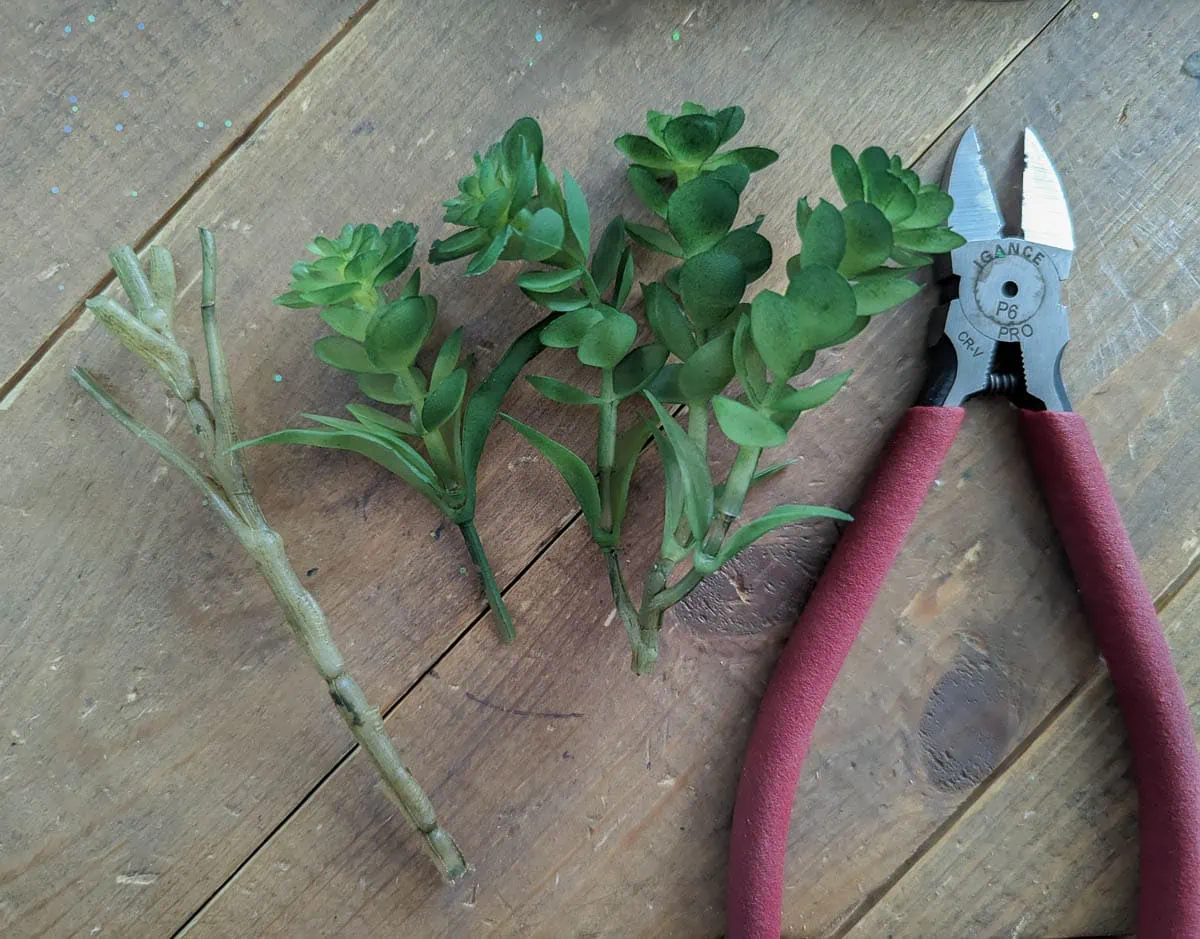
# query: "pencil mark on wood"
(519, 712)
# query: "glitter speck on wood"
(133, 193)
(67, 30)
(141, 26)
(277, 378)
(54, 190)
(124, 94)
(119, 128)
(67, 128)
(537, 37)
(200, 124)
(72, 99)
(229, 123)
(675, 36)
(91, 17)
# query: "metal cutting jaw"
(1006, 329)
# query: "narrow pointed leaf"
(447, 358)
(382, 388)
(560, 391)
(753, 158)
(444, 400)
(369, 415)
(574, 472)
(693, 469)
(644, 152)
(629, 448)
(749, 533)
(654, 239)
(798, 400)
(486, 259)
(577, 213)
(931, 240)
(607, 255)
(748, 364)
(548, 281)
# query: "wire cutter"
(1003, 333)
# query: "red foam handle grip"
(811, 661)
(1152, 701)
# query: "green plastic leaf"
(906, 258)
(294, 300)
(749, 533)
(548, 281)
(544, 236)
(395, 335)
(733, 173)
(824, 237)
(846, 174)
(486, 259)
(458, 245)
(749, 247)
(577, 213)
(712, 284)
(350, 321)
(607, 255)
(493, 208)
(803, 215)
(692, 107)
(656, 122)
(773, 322)
(418, 474)
(646, 187)
(574, 472)
(911, 180)
(548, 190)
(673, 496)
(528, 129)
(729, 122)
(876, 293)
(344, 353)
(753, 158)
(665, 385)
(568, 330)
(932, 240)
(560, 391)
(825, 306)
(933, 208)
(412, 286)
(873, 162)
(745, 426)
(485, 400)
(374, 416)
(654, 239)
(892, 197)
(692, 138)
(447, 358)
(560, 300)
(709, 369)
(629, 447)
(693, 470)
(635, 372)
(644, 152)
(624, 280)
(606, 342)
(868, 238)
(796, 401)
(748, 364)
(382, 388)
(443, 400)
(668, 321)
(701, 212)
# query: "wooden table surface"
(172, 764)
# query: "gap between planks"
(939, 132)
(13, 383)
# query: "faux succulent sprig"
(854, 263)
(379, 341)
(148, 332)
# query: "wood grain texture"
(599, 805)
(161, 722)
(1051, 848)
(72, 192)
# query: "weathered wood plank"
(164, 723)
(96, 111)
(595, 804)
(1051, 848)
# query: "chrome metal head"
(1007, 326)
